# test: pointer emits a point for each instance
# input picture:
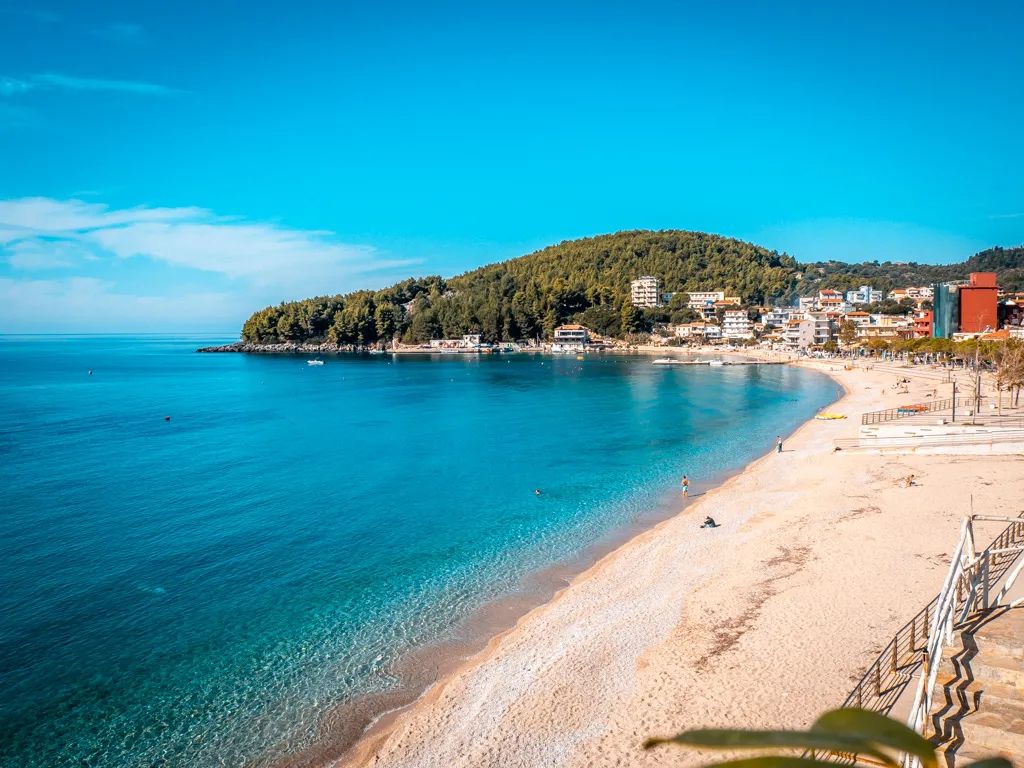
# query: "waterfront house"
(736, 325)
(570, 338)
(798, 333)
(699, 332)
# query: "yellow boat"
(830, 416)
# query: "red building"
(978, 303)
(923, 322)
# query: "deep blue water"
(199, 591)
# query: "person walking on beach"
(778, 444)
(686, 487)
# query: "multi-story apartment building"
(822, 328)
(700, 299)
(644, 292)
(865, 295)
(736, 325)
(776, 318)
(798, 334)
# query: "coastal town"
(864, 318)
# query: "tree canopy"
(588, 281)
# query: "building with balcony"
(775, 318)
(700, 299)
(864, 295)
(644, 292)
(570, 338)
(798, 334)
(923, 321)
(736, 325)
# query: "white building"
(808, 303)
(798, 334)
(468, 341)
(919, 293)
(644, 292)
(736, 325)
(813, 330)
(691, 331)
(570, 338)
(776, 318)
(701, 299)
(699, 331)
(865, 295)
(822, 327)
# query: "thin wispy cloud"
(15, 86)
(1007, 216)
(11, 86)
(254, 262)
(91, 84)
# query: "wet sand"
(763, 622)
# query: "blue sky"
(171, 166)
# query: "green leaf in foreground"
(714, 738)
(878, 729)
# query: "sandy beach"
(763, 622)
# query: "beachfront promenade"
(764, 622)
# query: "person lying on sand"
(709, 523)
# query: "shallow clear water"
(200, 591)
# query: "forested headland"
(588, 281)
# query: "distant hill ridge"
(588, 280)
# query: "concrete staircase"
(978, 708)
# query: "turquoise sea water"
(200, 591)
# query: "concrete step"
(952, 755)
(995, 726)
(953, 692)
(983, 665)
(1002, 634)
(979, 691)
(997, 669)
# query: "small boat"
(830, 416)
(663, 361)
(314, 362)
(716, 362)
(376, 351)
(579, 357)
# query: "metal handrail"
(915, 642)
(902, 412)
(970, 573)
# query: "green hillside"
(588, 280)
(1008, 263)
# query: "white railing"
(968, 588)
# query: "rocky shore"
(287, 348)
